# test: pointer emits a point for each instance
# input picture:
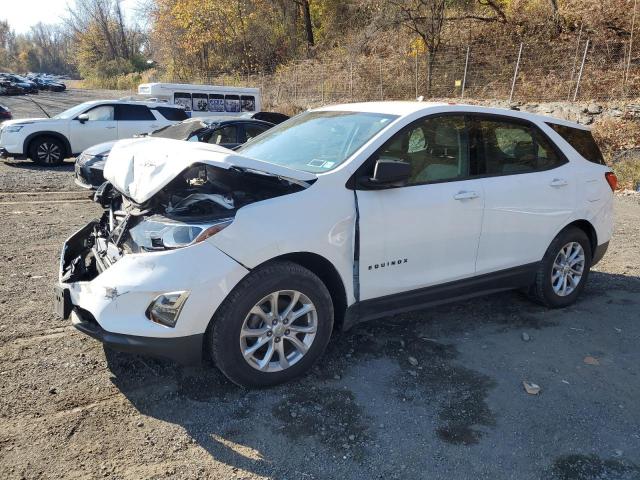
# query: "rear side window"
(251, 130)
(173, 114)
(133, 112)
(505, 147)
(224, 135)
(581, 140)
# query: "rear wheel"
(564, 269)
(47, 151)
(273, 327)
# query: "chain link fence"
(527, 72)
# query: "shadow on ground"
(388, 396)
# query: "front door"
(99, 127)
(427, 232)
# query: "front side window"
(316, 142)
(506, 147)
(436, 148)
(103, 113)
(224, 135)
(251, 131)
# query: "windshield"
(316, 142)
(72, 112)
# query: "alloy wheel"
(49, 152)
(278, 331)
(568, 269)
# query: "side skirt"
(509, 279)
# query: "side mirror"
(83, 118)
(388, 173)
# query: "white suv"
(48, 141)
(339, 215)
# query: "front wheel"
(564, 269)
(47, 151)
(273, 326)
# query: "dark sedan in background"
(5, 113)
(226, 132)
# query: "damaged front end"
(194, 206)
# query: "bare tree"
(427, 19)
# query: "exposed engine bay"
(195, 205)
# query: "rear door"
(529, 191)
(135, 119)
(427, 232)
(100, 127)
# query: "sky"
(22, 14)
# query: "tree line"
(184, 38)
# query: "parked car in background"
(343, 214)
(7, 87)
(5, 113)
(48, 141)
(26, 85)
(46, 83)
(226, 132)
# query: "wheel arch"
(587, 227)
(26, 146)
(329, 275)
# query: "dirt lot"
(456, 410)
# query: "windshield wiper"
(279, 177)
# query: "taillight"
(612, 180)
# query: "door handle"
(110, 128)
(559, 182)
(465, 195)
(154, 126)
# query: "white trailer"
(205, 100)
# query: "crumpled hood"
(139, 168)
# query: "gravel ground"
(435, 394)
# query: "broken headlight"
(160, 233)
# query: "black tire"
(223, 334)
(542, 290)
(47, 151)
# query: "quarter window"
(506, 147)
(581, 140)
(436, 148)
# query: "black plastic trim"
(508, 279)
(184, 350)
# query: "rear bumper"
(184, 350)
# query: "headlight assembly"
(159, 233)
(13, 128)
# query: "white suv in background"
(48, 141)
(338, 215)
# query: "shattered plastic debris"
(531, 388)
